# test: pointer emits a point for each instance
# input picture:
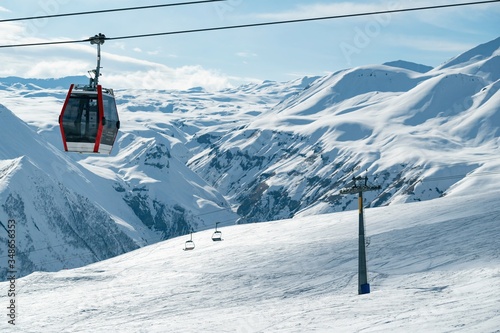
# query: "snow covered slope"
(433, 266)
(57, 226)
(70, 214)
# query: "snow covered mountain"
(260, 152)
(418, 135)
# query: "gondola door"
(79, 121)
(110, 122)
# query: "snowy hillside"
(60, 227)
(185, 160)
(418, 135)
(433, 266)
(72, 214)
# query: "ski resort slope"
(433, 266)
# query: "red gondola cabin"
(89, 120)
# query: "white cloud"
(245, 54)
(52, 69)
(322, 9)
(435, 17)
(11, 33)
(432, 44)
(163, 77)
(118, 45)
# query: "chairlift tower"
(360, 185)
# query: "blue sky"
(220, 59)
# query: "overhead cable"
(239, 26)
(109, 10)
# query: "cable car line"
(109, 10)
(259, 24)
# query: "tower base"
(364, 289)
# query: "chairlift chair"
(189, 245)
(217, 235)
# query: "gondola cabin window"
(111, 124)
(80, 120)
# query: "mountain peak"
(476, 54)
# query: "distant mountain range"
(259, 152)
(23, 83)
